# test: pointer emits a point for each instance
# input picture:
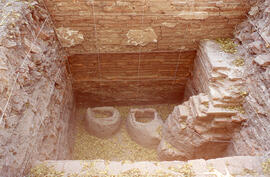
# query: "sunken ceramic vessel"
(102, 122)
(144, 127)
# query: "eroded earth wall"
(36, 100)
(254, 35)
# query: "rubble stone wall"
(203, 126)
(254, 35)
(36, 100)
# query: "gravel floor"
(120, 146)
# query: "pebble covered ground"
(120, 146)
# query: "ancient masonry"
(254, 35)
(209, 119)
(36, 99)
(138, 52)
(55, 54)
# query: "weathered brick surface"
(131, 77)
(203, 126)
(254, 136)
(177, 24)
(35, 89)
(117, 27)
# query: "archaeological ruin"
(124, 88)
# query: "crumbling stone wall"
(203, 126)
(36, 98)
(254, 37)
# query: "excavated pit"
(202, 126)
(139, 88)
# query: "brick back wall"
(161, 27)
(178, 24)
(131, 78)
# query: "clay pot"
(144, 127)
(103, 122)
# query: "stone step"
(204, 98)
(182, 111)
(225, 94)
(201, 129)
(221, 122)
(239, 118)
(218, 75)
(195, 107)
(231, 75)
(212, 54)
(240, 165)
(218, 134)
(214, 93)
(221, 112)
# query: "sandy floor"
(118, 147)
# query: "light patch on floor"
(118, 147)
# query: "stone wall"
(254, 37)
(203, 126)
(253, 48)
(36, 100)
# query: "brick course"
(178, 25)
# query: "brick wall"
(108, 78)
(254, 35)
(177, 24)
(114, 28)
(36, 97)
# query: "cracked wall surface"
(148, 44)
(105, 23)
(141, 37)
(69, 37)
(36, 99)
(203, 126)
(254, 35)
(252, 38)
